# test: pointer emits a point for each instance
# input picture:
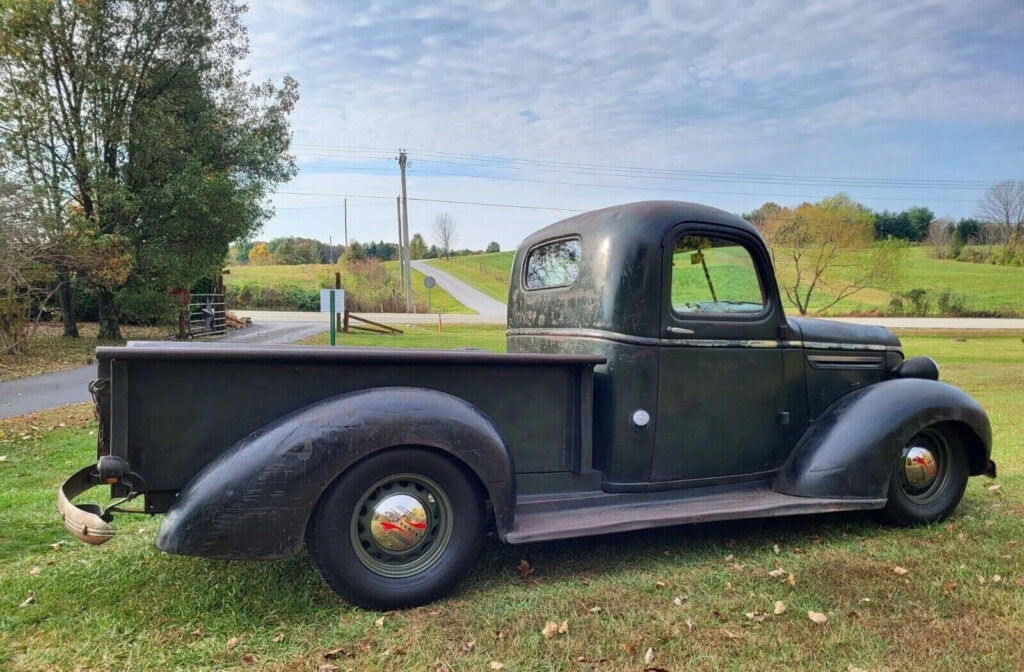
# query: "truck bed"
(173, 408)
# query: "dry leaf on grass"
(524, 568)
(379, 622)
(776, 549)
(729, 558)
(595, 610)
(689, 625)
(995, 487)
(649, 656)
(791, 580)
(327, 667)
(249, 659)
(981, 580)
(948, 587)
(996, 578)
(680, 600)
(232, 643)
(29, 599)
(549, 630)
(35, 571)
(279, 637)
(628, 648)
(198, 632)
(756, 616)
(468, 647)
(779, 608)
(333, 653)
(776, 573)
(900, 571)
(495, 665)
(817, 617)
(57, 545)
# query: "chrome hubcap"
(399, 523)
(920, 467)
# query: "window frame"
(767, 304)
(544, 243)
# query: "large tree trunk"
(67, 302)
(110, 316)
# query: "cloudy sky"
(569, 106)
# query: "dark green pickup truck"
(651, 379)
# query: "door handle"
(679, 331)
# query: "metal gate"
(206, 315)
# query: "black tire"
(909, 505)
(365, 573)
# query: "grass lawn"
(698, 597)
(488, 273)
(440, 300)
(50, 351)
(451, 336)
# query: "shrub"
(913, 303)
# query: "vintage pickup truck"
(651, 379)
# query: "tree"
(417, 247)
(355, 252)
(259, 254)
(828, 248)
(1003, 206)
(444, 233)
(493, 247)
(140, 136)
(943, 239)
(969, 231)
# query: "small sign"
(339, 300)
(429, 282)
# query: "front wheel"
(928, 479)
(397, 530)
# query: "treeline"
(292, 250)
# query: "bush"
(146, 305)
(913, 303)
(950, 304)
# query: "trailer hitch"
(91, 522)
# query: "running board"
(583, 516)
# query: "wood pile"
(236, 322)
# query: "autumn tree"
(140, 136)
(259, 254)
(826, 251)
(1002, 206)
(444, 233)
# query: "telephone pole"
(407, 266)
(401, 247)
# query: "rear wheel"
(397, 530)
(928, 479)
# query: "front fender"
(253, 502)
(848, 451)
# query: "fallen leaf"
(948, 587)
(379, 622)
(776, 549)
(468, 647)
(962, 536)
(333, 653)
(35, 571)
(595, 610)
(563, 628)
(791, 580)
(996, 578)
(730, 635)
(660, 584)
(524, 570)
(756, 616)
(729, 558)
(232, 643)
(628, 648)
(549, 630)
(779, 608)
(900, 571)
(249, 659)
(689, 625)
(981, 580)
(853, 668)
(495, 665)
(57, 546)
(995, 487)
(29, 599)
(198, 632)
(776, 573)
(649, 656)
(279, 637)
(366, 645)
(327, 667)
(817, 617)
(679, 600)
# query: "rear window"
(554, 264)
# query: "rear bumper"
(86, 521)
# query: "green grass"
(489, 273)
(440, 300)
(451, 336)
(125, 605)
(303, 276)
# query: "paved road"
(465, 294)
(259, 316)
(36, 393)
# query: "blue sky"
(909, 103)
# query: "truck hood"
(840, 333)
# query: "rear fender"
(253, 502)
(849, 450)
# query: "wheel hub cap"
(920, 467)
(399, 523)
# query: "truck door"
(720, 387)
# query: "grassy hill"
(998, 290)
(296, 287)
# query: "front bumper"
(87, 522)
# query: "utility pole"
(407, 268)
(401, 247)
(346, 223)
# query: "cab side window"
(554, 264)
(714, 275)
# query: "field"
(50, 351)
(703, 597)
(489, 273)
(440, 300)
(984, 287)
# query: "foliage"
(140, 136)
(911, 224)
(819, 240)
(944, 239)
(493, 247)
(1002, 206)
(969, 231)
(291, 250)
(417, 247)
(259, 255)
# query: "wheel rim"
(923, 467)
(401, 525)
